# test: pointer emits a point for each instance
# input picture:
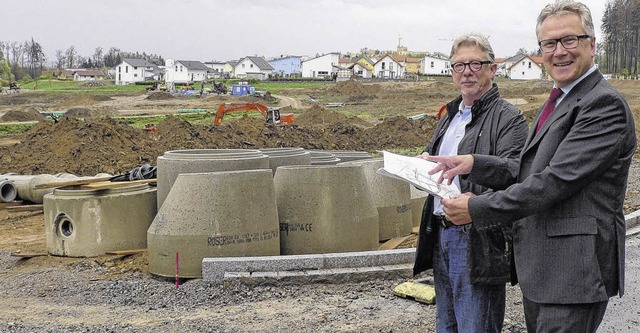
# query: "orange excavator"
(271, 115)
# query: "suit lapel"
(568, 102)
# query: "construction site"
(268, 217)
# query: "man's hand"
(457, 209)
(450, 166)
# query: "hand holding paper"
(416, 171)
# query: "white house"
(90, 74)
(324, 66)
(388, 68)
(526, 68)
(253, 68)
(432, 65)
(136, 70)
(217, 69)
(185, 71)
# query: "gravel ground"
(95, 295)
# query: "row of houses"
(327, 66)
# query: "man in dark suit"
(565, 193)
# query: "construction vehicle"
(152, 130)
(13, 85)
(271, 115)
(219, 88)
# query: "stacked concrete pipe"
(216, 214)
(25, 185)
(348, 155)
(286, 156)
(392, 198)
(325, 209)
(87, 223)
(176, 162)
(323, 158)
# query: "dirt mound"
(352, 87)
(84, 99)
(79, 147)
(22, 116)
(84, 112)
(159, 96)
(90, 146)
(317, 115)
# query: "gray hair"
(564, 7)
(473, 39)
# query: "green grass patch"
(9, 129)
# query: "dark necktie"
(548, 107)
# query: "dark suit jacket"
(567, 200)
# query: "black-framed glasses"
(474, 66)
(568, 42)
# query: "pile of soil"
(83, 100)
(91, 146)
(159, 96)
(84, 112)
(354, 88)
(22, 116)
(317, 115)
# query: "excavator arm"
(270, 115)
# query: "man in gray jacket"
(470, 285)
(566, 190)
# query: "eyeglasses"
(474, 66)
(568, 42)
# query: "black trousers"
(573, 318)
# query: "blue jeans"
(461, 306)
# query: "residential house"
(502, 69)
(286, 66)
(388, 68)
(89, 74)
(412, 65)
(185, 71)
(323, 66)
(130, 71)
(526, 68)
(229, 67)
(253, 68)
(217, 70)
(435, 65)
(362, 67)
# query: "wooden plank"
(127, 252)
(415, 230)
(25, 208)
(107, 185)
(393, 243)
(72, 182)
(28, 254)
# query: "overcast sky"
(224, 30)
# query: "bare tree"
(71, 56)
(97, 57)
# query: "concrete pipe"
(286, 156)
(418, 198)
(8, 191)
(322, 158)
(325, 209)
(216, 214)
(88, 223)
(392, 198)
(176, 162)
(25, 186)
(348, 155)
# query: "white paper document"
(415, 171)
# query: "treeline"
(20, 60)
(621, 34)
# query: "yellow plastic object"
(416, 291)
